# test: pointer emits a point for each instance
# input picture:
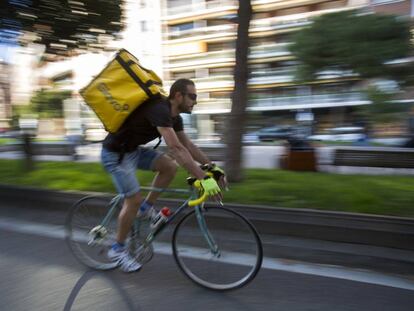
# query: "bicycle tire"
(241, 251)
(83, 216)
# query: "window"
(379, 2)
(185, 26)
(183, 74)
(221, 46)
(144, 26)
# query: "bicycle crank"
(97, 234)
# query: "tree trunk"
(237, 118)
(28, 152)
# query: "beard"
(183, 108)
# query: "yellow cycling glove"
(219, 175)
(214, 169)
(208, 185)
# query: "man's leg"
(127, 215)
(124, 177)
(119, 251)
(166, 169)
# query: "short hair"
(180, 86)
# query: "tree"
(49, 104)
(237, 116)
(383, 110)
(361, 43)
(60, 25)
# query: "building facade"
(141, 36)
(199, 43)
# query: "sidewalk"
(354, 240)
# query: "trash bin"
(300, 156)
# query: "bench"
(64, 148)
(374, 157)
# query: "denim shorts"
(124, 173)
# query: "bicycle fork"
(206, 233)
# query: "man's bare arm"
(180, 153)
(199, 156)
(195, 152)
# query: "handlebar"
(203, 197)
(198, 201)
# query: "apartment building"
(200, 44)
(397, 7)
(141, 36)
(5, 109)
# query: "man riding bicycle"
(122, 154)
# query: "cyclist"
(122, 154)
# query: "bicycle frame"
(206, 233)
(115, 204)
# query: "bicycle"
(214, 246)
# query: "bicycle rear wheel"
(88, 246)
(222, 252)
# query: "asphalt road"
(38, 272)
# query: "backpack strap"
(158, 143)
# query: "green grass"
(4, 141)
(384, 195)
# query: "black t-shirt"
(141, 126)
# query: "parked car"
(250, 137)
(274, 133)
(343, 134)
(269, 134)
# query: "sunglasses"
(191, 96)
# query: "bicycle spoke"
(84, 216)
(230, 262)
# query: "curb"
(373, 230)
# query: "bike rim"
(83, 216)
(238, 243)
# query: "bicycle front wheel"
(88, 240)
(217, 248)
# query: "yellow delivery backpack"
(120, 88)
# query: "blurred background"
(329, 80)
(326, 86)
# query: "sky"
(8, 43)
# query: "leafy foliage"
(59, 24)
(350, 41)
(382, 110)
(49, 104)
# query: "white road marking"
(338, 272)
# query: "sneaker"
(125, 261)
(149, 214)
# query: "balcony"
(212, 83)
(310, 101)
(202, 60)
(276, 75)
(188, 12)
(227, 57)
(216, 106)
(177, 35)
(213, 106)
(272, 25)
(269, 51)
